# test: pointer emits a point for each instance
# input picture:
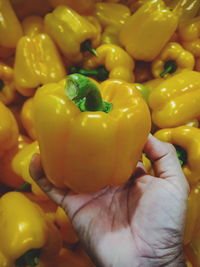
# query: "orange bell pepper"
(37, 59)
(27, 117)
(94, 126)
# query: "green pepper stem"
(85, 94)
(100, 73)
(170, 66)
(87, 46)
(25, 187)
(30, 258)
(1, 84)
(181, 154)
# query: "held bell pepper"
(7, 175)
(112, 14)
(31, 237)
(188, 138)
(111, 61)
(10, 27)
(8, 129)
(72, 33)
(78, 140)
(189, 33)
(171, 59)
(175, 101)
(27, 117)
(192, 215)
(193, 250)
(37, 59)
(7, 86)
(20, 165)
(84, 7)
(148, 30)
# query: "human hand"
(140, 223)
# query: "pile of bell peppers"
(83, 83)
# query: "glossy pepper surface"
(193, 249)
(148, 30)
(7, 86)
(192, 215)
(8, 129)
(10, 27)
(172, 58)
(73, 34)
(189, 33)
(67, 129)
(37, 59)
(114, 59)
(112, 14)
(175, 101)
(188, 138)
(83, 7)
(7, 175)
(26, 116)
(30, 236)
(20, 165)
(110, 36)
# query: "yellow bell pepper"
(31, 236)
(148, 30)
(111, 61)
(193, 250)
(72, 33)
(25, 8)
(110, 36)
(20, 165)
(78, 143)
(147, 164)
(192, 216)
(188, 138)
(10, 27)
(112, 14)
(37, 60)
(84, 7)
(8, 129)
(7, 86)
(175, 101)
(172, 58)
(7, 175)
(189, 33)
(193, 123)
(65, 226)
(27, 117)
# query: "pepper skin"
(175, 101)
(65, 226)
(116, 61)
(142, 72)
(27, 118)
(110, 36)
(8, 129)
(7, 86)
(148, 30)
(72, 33)
(189, 33)
(83, 7)
(78, 146)
(10, 27)
(30, 230)
(20, 165)
(193, 250)
(171, 59)
(192, 216)
(7, 175)
(188, 138)
(37, 59)
(112, 14)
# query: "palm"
(129, 217)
